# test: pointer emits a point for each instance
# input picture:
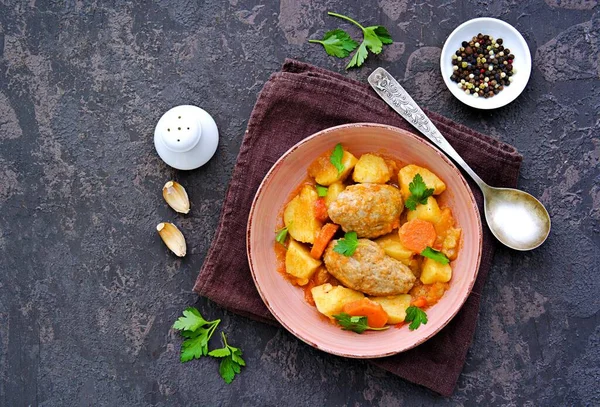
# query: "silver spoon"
(515, 217)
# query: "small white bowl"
(512, 40)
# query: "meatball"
(370, 210)
(369, 270)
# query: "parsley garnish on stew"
(419, 193)
(356, 324)
(347, 245)
(281, 235)
(416, 316)
(321, 190)
(336, 158)
(435, 255)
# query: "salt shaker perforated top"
(186, 137)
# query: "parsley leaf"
(382, 33)
(359, 57)
(419, 193)
(196, 346)
(336, 158)
(220, 353)
(281, 235)
(321, 190)
(347, 245)
(231, 360)
(356, 324)
(416, 316)
(374, 38)
(435, 255)
(198, 332)
(190, 321)
(337, 43)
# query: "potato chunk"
(299, 263)
(445, 222)
(451, 243)
(393, 169)
(331, 299)
(325, 173)
(430, 211)
(333, 191)
(406, 175)
(392, 247)
(434, 272)
(299, 216)
(371, 168)
(395, 306)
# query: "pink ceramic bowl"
(286, 302)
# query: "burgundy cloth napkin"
(294, 103)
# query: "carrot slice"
(420, 302)
(376, 315)
(321, 210)
(323, 238)
(417, 234)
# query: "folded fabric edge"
(293, 66)
(494, 148)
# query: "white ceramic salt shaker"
(186, 137)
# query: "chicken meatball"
(370, 210)
(369, 270)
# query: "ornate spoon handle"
(394, 95)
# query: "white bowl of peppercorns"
(485, 63)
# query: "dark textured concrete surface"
(88, 292)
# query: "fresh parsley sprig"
(419, 193)
(347, 245)
(231, 360)
(321, 190)
(337, 43)
(435, 255)
(356, 324)
(373, 39)
(281, 234)
(336, 158)
(198, 332)
(416, 316)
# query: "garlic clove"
(172, 237)
(176, 197)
